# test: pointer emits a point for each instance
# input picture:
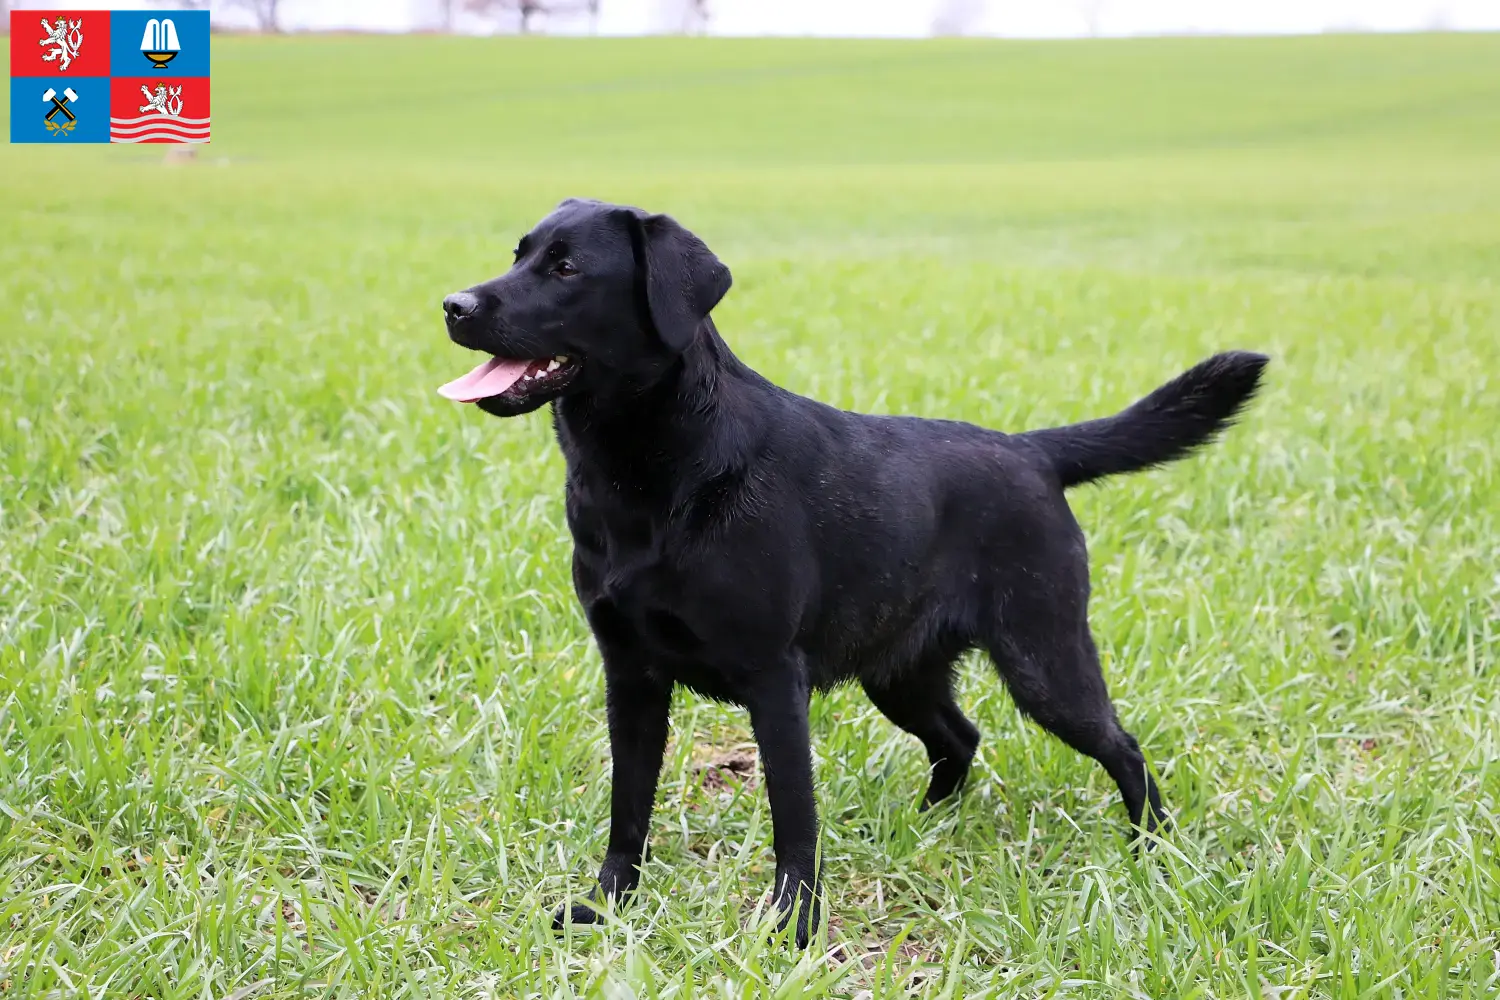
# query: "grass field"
(294, 696)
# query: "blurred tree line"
(524, 15)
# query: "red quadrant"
(166, 110)
(84, 48)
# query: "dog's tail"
(1169, 424)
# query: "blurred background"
(894, 18)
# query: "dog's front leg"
(778, 714)
(638, 708)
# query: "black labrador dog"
(755, 545)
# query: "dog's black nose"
(460, 305)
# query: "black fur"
(1180, 417)
(755, 545)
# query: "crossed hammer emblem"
(61, 104)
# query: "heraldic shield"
(82, 76)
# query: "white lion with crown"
(167, 101)
(66, 37)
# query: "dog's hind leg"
(920, 701)
(1053, 674)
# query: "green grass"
(294, 696)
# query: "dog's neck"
(648, 437)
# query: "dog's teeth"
(553, 365)
(529, 376)
(562, 359)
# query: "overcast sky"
(896, 18)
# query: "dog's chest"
(631, 582)
(668, 606)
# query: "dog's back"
(915, 532)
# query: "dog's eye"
(564, 269)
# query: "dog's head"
(599, 296)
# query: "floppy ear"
(683, 278)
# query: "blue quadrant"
(28, 109)
(127, 29)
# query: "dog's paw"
(577, 914)
(1144, 842)
(803, 906)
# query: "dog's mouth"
(517, 380)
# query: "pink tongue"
(489, 379)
